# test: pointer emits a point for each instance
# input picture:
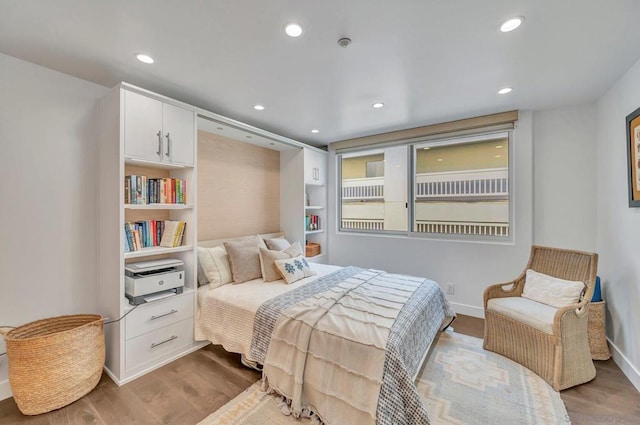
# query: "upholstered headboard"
(218, 242)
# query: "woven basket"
(596, 331)
(54, 362)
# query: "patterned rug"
(460, 384)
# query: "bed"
(343, 345)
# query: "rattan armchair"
(560, 355)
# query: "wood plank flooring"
(189, 389)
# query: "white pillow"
(215, 265)
(551, 290)
(293, 269)
(202, 278)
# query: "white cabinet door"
(178, 134)
(142, 127)
(315, 167)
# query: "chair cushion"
(551, 290)
(529, 312)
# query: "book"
(125, 246)
(127, 189)
(132, 189)
(178, 240)
(170, 230)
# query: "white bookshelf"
(303, 179)
(142, 133)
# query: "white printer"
(148, 277)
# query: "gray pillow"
(244, 260)
(279, 244)
(268, 258)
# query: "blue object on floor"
(597, 294)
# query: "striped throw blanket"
(347, 347)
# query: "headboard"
(218, 242)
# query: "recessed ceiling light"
(249, 137)
(378, 105)
(220, 128)
(258, 107)
(293, 29)
(498, 156)
(426, 148)
(314, 131)
(142, 57)
(498, 146)
(440, 159)
(505, 90)
(511, 24)
(272, 144)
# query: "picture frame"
(633, 157)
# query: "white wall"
(48, 192)
(564, 170)
(470, 266)
(618, 226)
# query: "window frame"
(433, 141)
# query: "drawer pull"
(163, 315)
(155, 344)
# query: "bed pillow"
(268, 258)
(215, 265)
(294, 269)
(551, 290)
(202, 278)
(244, 259)
(279, 244)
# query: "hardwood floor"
(188, 390)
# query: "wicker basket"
(596, 331)
(312, 249)
(54, 362)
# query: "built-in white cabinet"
(303, 196)
(157, 131)
(144, 134)
(315, 167)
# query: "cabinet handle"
(159, 143)
(155, 344)
(163, 315)
(168, 144)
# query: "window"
(458, 188)
(461, 186)
(374, 190)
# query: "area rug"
(460, 384)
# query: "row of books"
(149, 233)
(312, 222)
(143, 190)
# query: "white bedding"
(225, 315)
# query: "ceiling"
(429, 61)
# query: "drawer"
(155, 315)
(153, 346)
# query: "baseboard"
(468, 310)
(625, 365)
(5, 390)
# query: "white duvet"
(225, 315)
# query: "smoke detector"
(344, 42)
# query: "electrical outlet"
(451, 288)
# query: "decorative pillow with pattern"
(294, 269)
(269, 256)
(551, 290)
